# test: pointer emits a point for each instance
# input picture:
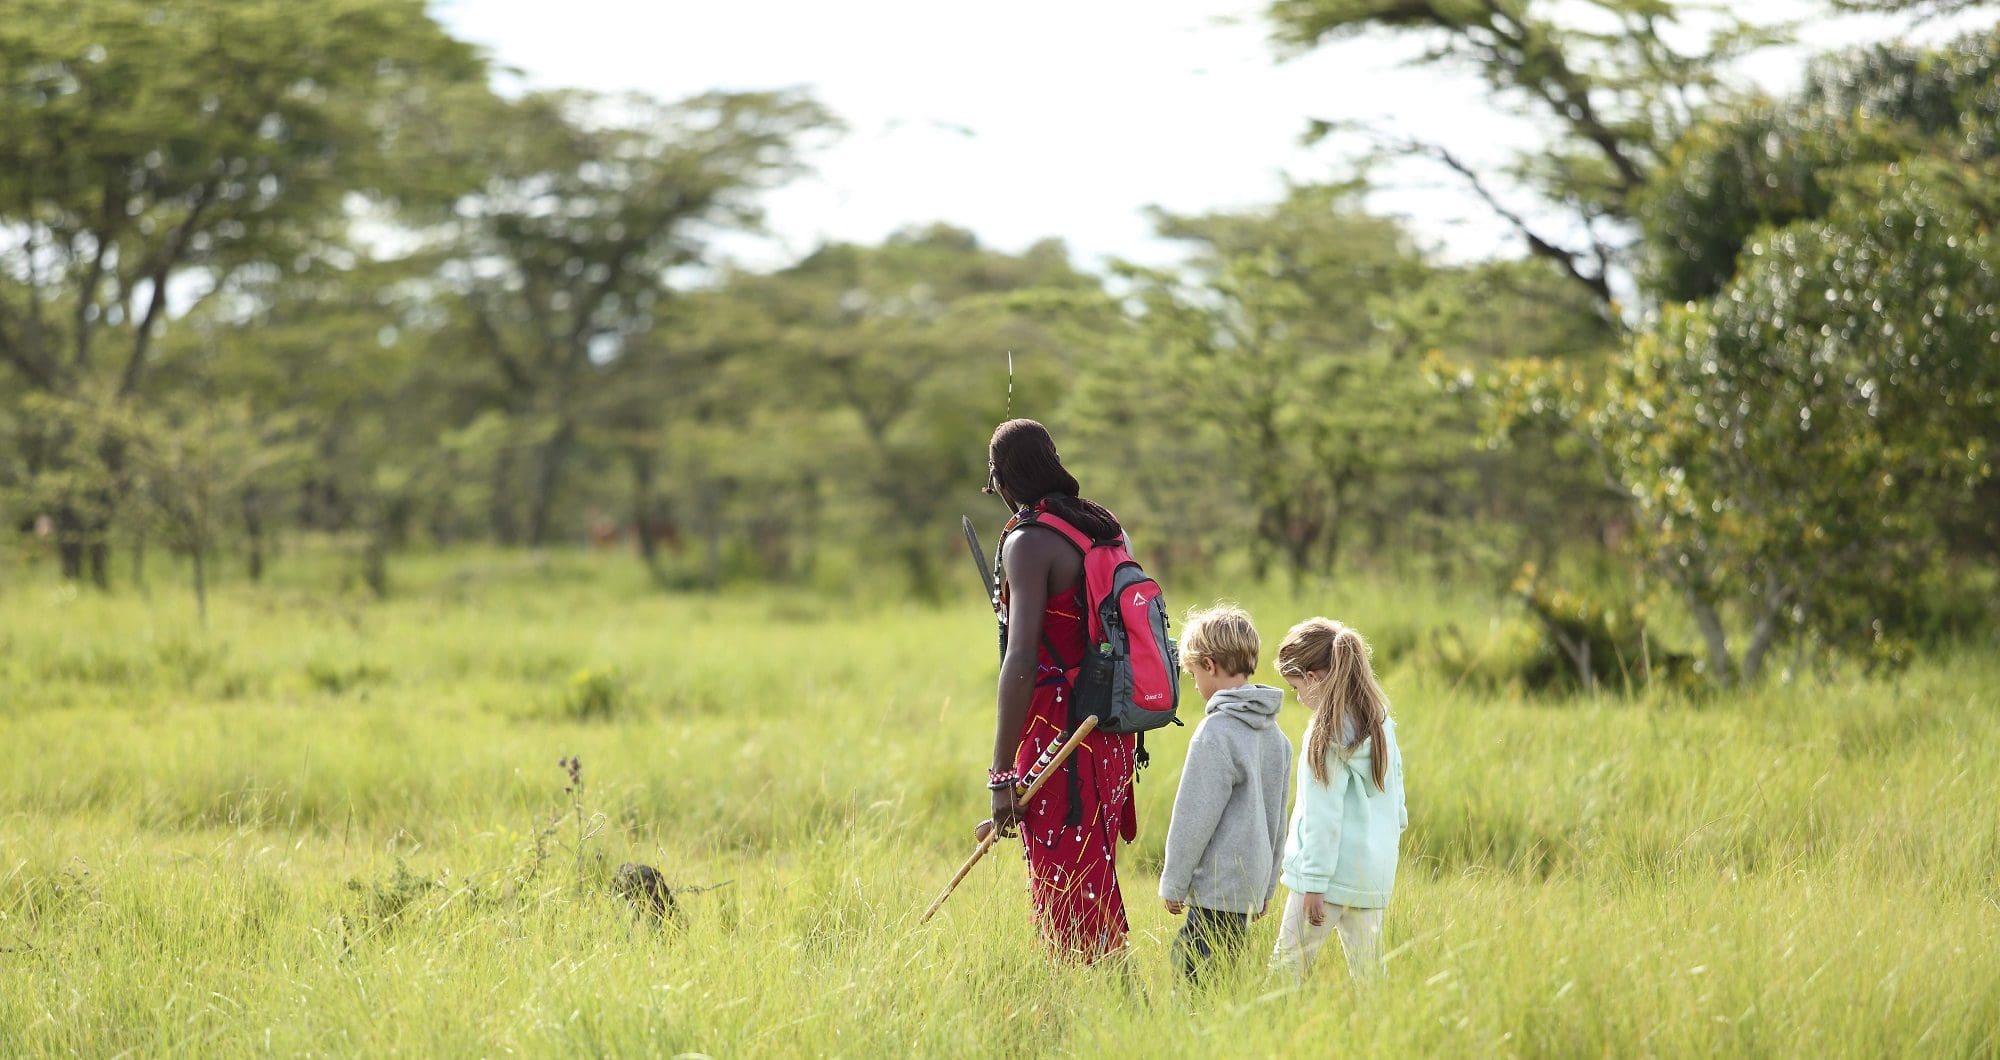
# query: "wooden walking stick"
(1043, 771)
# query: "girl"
(1340, 858)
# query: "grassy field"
(329, 826)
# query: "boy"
(1228, 830)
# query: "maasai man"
(1070, 831)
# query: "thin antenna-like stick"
(1010, 384)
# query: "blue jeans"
(1209, 935)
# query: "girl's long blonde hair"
(1348, 692)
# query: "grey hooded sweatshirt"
(1228, 833)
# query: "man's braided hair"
(1025, 467)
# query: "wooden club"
(1083, 729)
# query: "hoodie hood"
(1361, 761)
(1253, 705)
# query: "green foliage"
(1615, 83)
(1767, 164)
(414, 312)
(1727, 181)
(1800, 448)
(1590, 644)
(556, 267)
(869, 379)
(148, 148)
(1922, 9)
(593, 695)
(1795, 440)
(380, 904)
(1264, 358)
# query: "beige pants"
(1299, 941)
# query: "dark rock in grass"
(646, 890)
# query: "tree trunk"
(443, 523)
(548, 477)
(104, 504)
(1765, 633)
(809, 527)
(375, 561)
(253, 528)
(320, 502)
(69, 542)
(1712, 632)
(643, 511)
(712, 493)
(500, 507)
(200, 584)
(918, 559)
(1577, 649)
(99, 553)
(1301, 547)
(713, 577)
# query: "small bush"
(594, 695)
(187, 661)
(1588, 644)
(1565, 642)
(336, 678)
(1503, 659)
(382, 904)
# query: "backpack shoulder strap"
(1077, 538)
(1025, 518)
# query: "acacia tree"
(563, 255)
(1616, 82)
(1272, 344)
(338, 353)
(148, 152)
(1798, 445)
(686, 410)
(195, 464)
(187, 463)
(898, 352)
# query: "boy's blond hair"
(1224, 635)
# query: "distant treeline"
(277, 269)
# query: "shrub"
(594, 695)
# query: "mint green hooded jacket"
(1344, 834)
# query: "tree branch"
(170, 255)
(1598, 284)
(1765, 633)
(12, 347)
(93, 277)
(1920, 11)
(1564, 91)
(1712, 632)
(510, 369)
(33, 328)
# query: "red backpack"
(1129, 675)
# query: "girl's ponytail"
(1349, 697)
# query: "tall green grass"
(312, 828)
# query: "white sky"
(1033, 118)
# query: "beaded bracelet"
(997, 779)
